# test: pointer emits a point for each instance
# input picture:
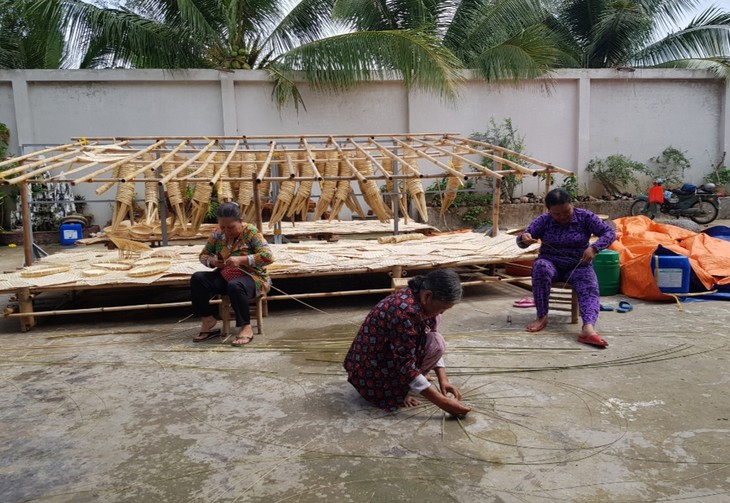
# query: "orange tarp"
(638, 237)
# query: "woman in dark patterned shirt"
(238, 254)
(398, 344)
(566, 255)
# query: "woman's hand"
(527, 238)
(447, 388)
(588, 255)
(215, 262)
(450, 405)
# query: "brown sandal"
(242, 341)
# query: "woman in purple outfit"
(566, 255)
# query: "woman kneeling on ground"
(238, 254)
(565, 255)
(398, 344)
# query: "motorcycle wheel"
(709, 212)
(640, 207)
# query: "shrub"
(616, 172)
(669, 165)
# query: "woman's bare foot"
(411, 401)
(208, 323)
(588, 330)
(244, 336)
(537, 325)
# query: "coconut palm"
(248, 34)
(499, 39)
(633, 33)
(27, 42)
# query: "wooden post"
(27, 224)
(25, 303)
(496, 199)
(257, 205)
(548, 179)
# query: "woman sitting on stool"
(565, 255)
(239, 254)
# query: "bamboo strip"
(151, 199)
(175, 197)
(415, 190)
(124, 200)
(371, 193)
(342, 191)
(40, 162)
(201, 200)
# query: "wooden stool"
(257, 309)
(564, 298)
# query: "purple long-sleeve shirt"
(564, 245)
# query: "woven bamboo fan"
(128, 248)
(94, 273)
(148, 270)
(301, 200)
(452, 182)
(43, 270)
(112, 266)
(152, 261)
(327, 187)
(164, 253)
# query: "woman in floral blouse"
(238, 254)
(398, 344)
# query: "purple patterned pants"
(583, 279)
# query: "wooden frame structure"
(244, 169)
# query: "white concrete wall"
(568, 119)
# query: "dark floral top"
(387, 353)
(564, 245)
(249, 243)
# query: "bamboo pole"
(438, 163)
(22, 158)
(457, 156)
(262, 171)
(347, 161)
(154, 164)
(32, 165)
(496, 198)
(258, 137)
(496, 158)
(120, 162)
(524, 157)
(162, 160)
(369, 157)
(400, 160)
(191, 177)
(310, 160)
(27, 224)
(225, 164)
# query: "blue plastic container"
(70, 233)
(671, 273)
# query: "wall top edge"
(205, 75)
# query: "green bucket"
(608, 270)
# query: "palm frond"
(339, 62)
(622, 26)
(307, 21)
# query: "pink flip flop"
(593, 340)
(524, 302)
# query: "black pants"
(204, 285)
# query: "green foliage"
(479, 204)
(504, 135)
(616, 172)
(669, 165)
(4, 140)
(720, 174)
(570, 185)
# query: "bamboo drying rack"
(286, 161)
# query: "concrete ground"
(120, 407)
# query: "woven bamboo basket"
(301, 200)
(327, 187)
(452, 182)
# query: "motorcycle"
(700, 204)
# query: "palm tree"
(27, 42)
(499, 39)
(255, 34)
(632, 33)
